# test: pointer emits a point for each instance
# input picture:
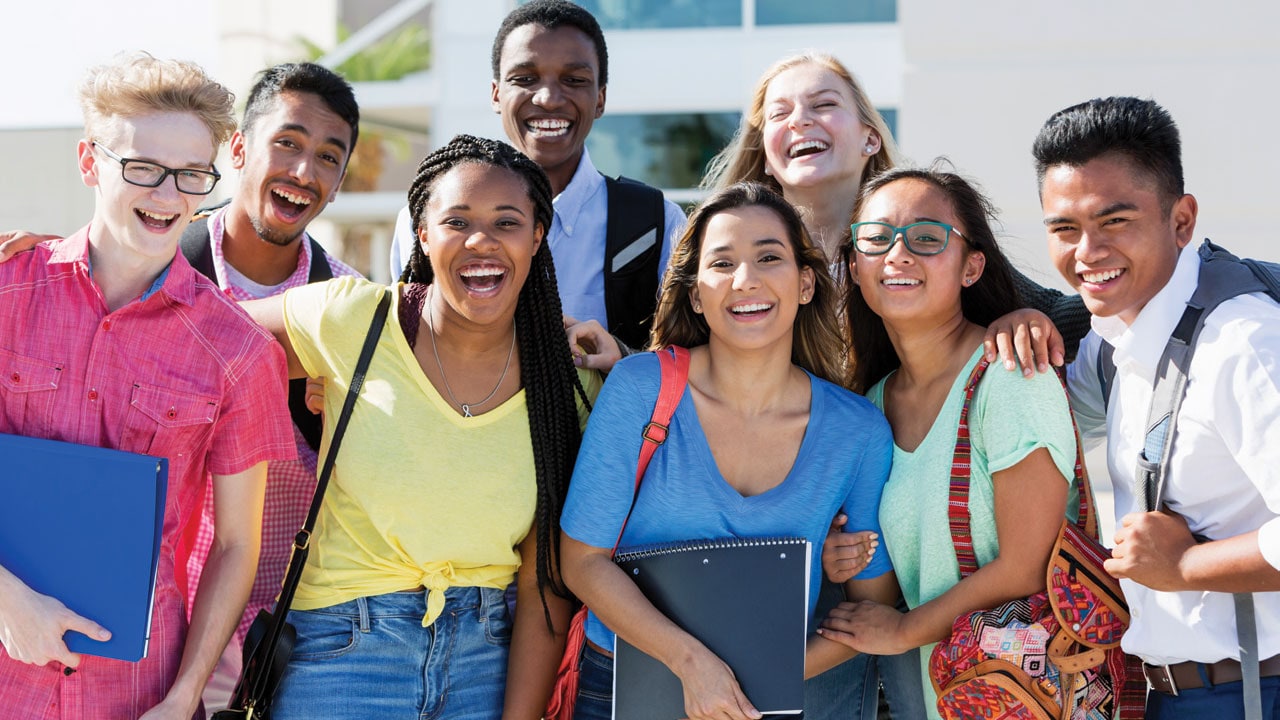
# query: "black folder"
(83, 524)
(747, 600)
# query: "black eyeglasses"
(149, 174)
(921, 238)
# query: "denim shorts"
(371, 658)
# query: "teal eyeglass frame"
(906, 237)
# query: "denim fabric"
(595, 686)
(371, 658)
(1220, 702)
(851, 691)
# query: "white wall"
(981, 78)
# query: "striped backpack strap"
(958, 496)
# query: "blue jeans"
(851, 691)
(371, 658)
(1224, 701)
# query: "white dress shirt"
(577, 239)
(1224, 473)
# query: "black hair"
(330, 87)
(1140, 130)
(547, 371)
(872, 355)
(552, 14)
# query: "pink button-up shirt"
(181, 373)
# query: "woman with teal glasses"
(927, 277)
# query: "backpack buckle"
(655, 433)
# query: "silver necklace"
(466, 407)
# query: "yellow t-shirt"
(420, 496)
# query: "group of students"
(833, 305)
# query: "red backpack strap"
(674, 362)
(958, 497)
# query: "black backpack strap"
(197, 248)
(195, 244)
(307, 422)
(635, 229)
(1106, 367)
(320, 270)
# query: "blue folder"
(82, 524)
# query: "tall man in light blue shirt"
(550, 70)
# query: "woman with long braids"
(752, 449)
(455, 464)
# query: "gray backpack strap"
(1222, 277)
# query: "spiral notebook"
(747, 600)
(83, 524)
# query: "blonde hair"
(744, 159)
(137, 84)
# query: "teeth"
(816, 145)
(548, 126)
(900, 281)
(295, 199)
(1101, 277)
(156, 216)
(481, 272)
(752, 307)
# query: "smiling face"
(749, 285)
(291, 162)
(142, 222)
(479, 232)
(901, 286)
(812, 133)
(548, 94)
(1110, 237)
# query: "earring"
(968, 282)
(697, 307)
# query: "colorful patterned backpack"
(1055, 654)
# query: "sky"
(51, 43)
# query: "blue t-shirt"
(841, 467)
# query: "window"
(638, 14)
(668, 151)
(790, 12)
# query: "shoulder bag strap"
(674, 362)
(958, 494)
(302, 541)
(1222, 276)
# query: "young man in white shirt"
(1119, 223)
(550, 73)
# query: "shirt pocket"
(166, 422)
(27, 391)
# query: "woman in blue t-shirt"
(751, 296)
(928, 277)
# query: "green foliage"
(405, 51)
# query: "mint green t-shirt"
(1009, 418)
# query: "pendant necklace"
(465, 407)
